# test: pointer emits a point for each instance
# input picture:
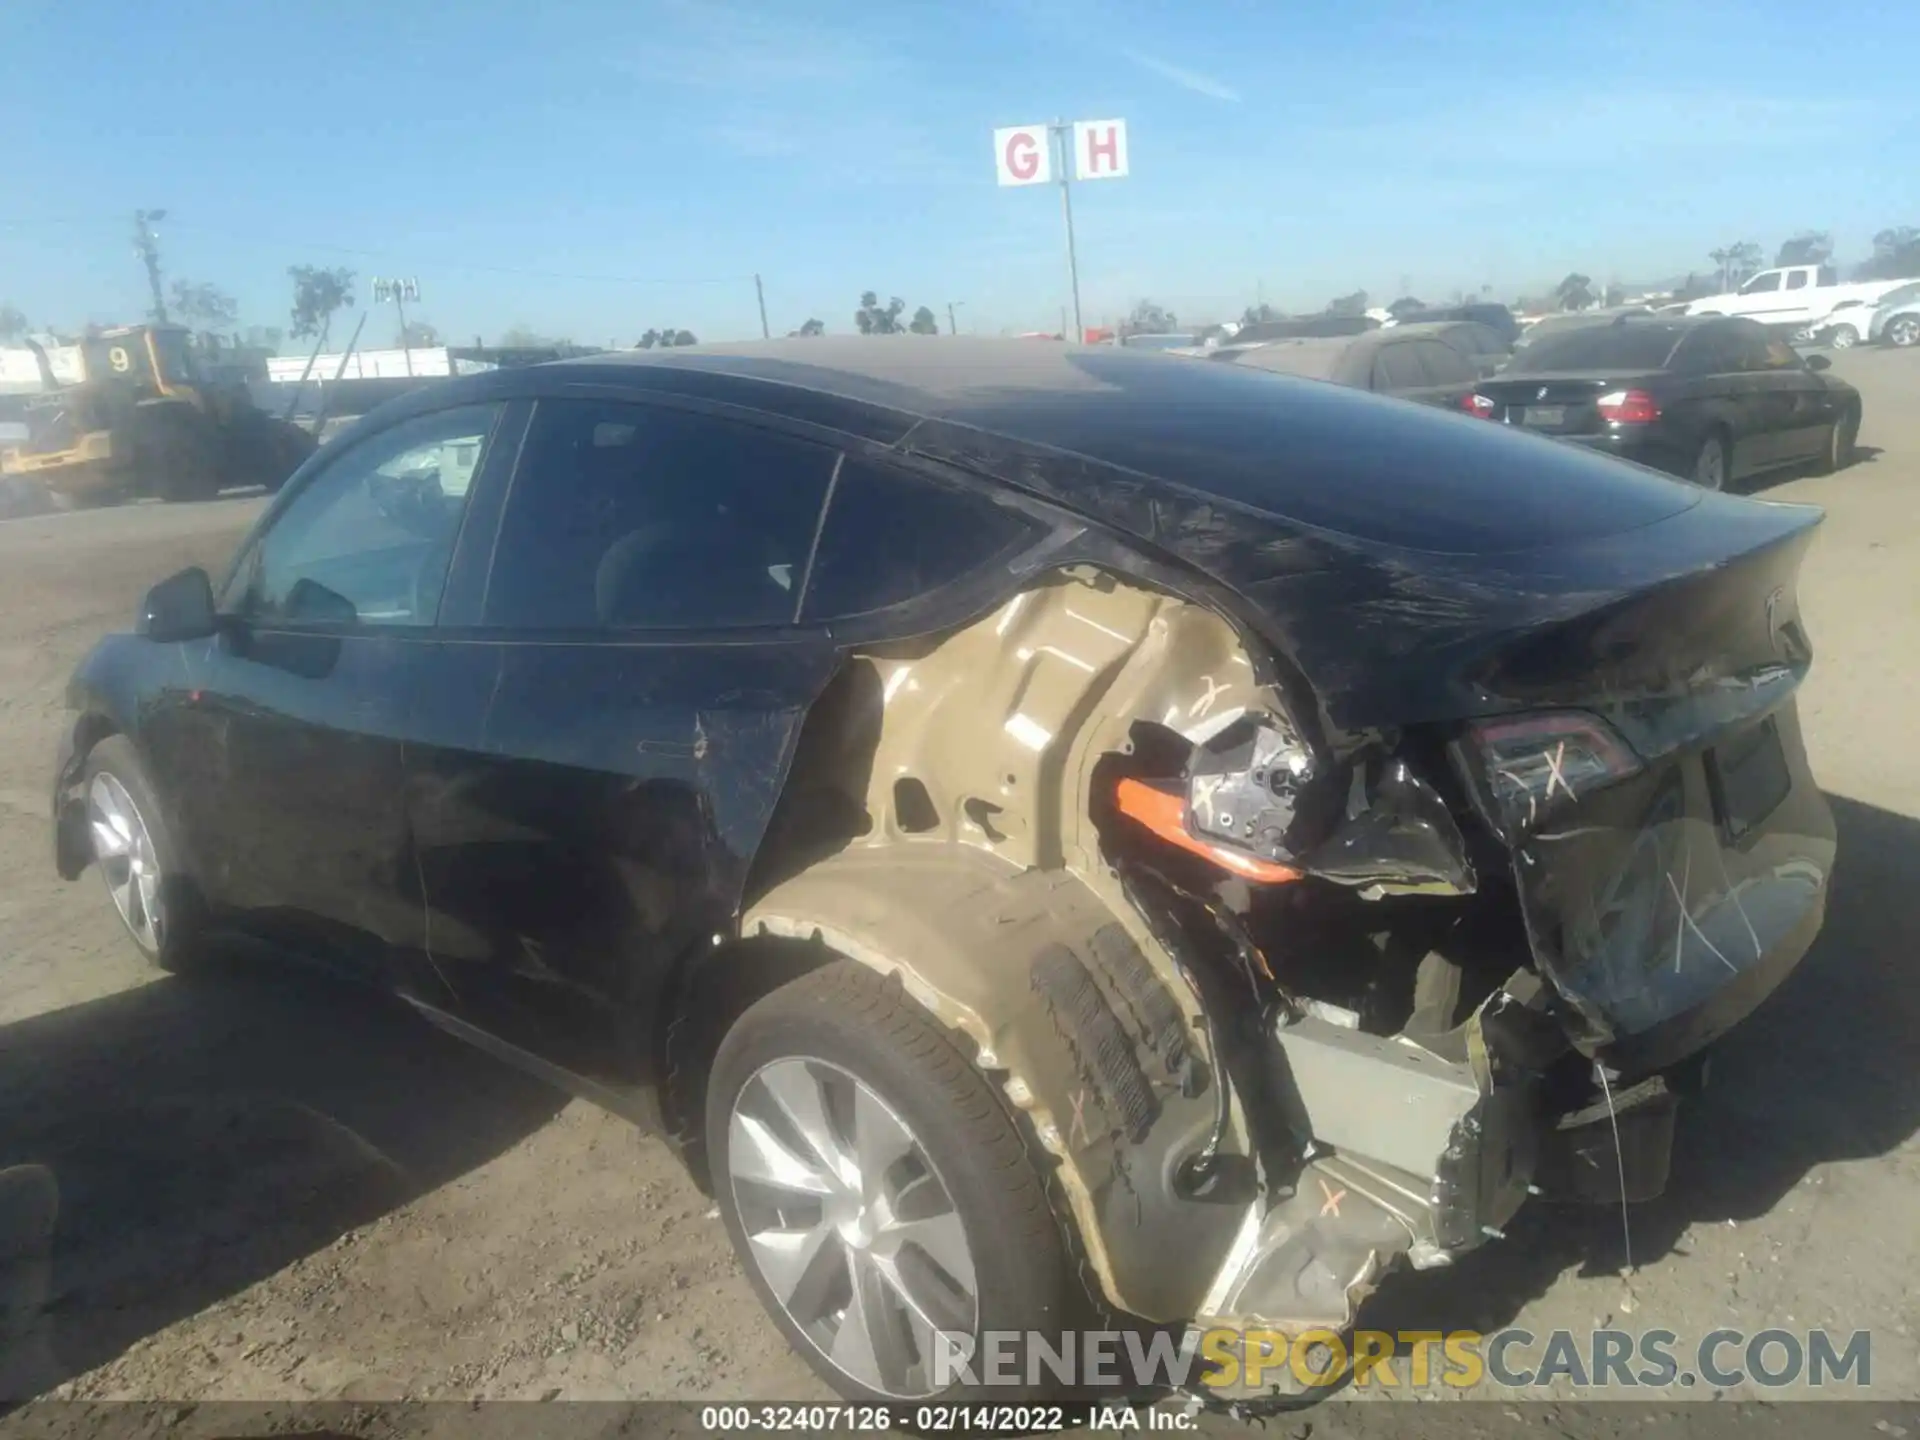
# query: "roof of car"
(924, 375)
(1313, 357)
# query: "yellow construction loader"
(133, 416)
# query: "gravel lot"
(275, 1190)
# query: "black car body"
(1437, 364)
(1494, 316)
(1326, 326)
(1716, 400)
(1190, 760)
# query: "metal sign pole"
(1061, 132)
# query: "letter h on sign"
(1099, 149)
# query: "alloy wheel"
(848, 1223)
(1904, 331)
(123, 848)
(1710, 469)
(1844, 337)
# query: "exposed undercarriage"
(1272, 1009)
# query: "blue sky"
(594, 169)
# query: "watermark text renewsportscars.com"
(1604, 1359)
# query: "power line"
(311, 247)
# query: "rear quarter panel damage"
(977, 876)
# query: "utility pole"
(146, 244)
(760, 293)
(1058, 134)
(399, 292)
(952, 305)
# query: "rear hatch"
(1557, 404)
(1669, 844)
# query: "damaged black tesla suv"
(1044, 831)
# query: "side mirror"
(1819, 362)
(178, 608)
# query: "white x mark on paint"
(1079, 1124)
(1206, 702)
(1555, 774)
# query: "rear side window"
(1444, 365)
(1797, 280)
(890, 537)
(627, 517)
(1397, 367)
(1634, 345)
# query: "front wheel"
(880, 1196)
(134, 853)
(1843, 337)
(1710, 465)
(1841, 439)
(1904, 331)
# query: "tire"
(153, 899)
(1709, 470)
(1843, 337)
(179, 454)
(858, 1045)
(1842, 436)
(1904, 331)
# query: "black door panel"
(592, 771)
(582, 814)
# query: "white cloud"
(1186, 79)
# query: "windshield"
(1632, 345)
(174, 356)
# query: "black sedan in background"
(1711, 399)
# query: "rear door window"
(641, 517)
(891, 537)
(1706, 351)
(1762, 284)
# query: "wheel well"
(717, 989)
(72, 852)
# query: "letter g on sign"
(1023, 155)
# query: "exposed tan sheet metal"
(1002, 723)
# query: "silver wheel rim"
(124, 851)
(1904, 332)
(1843, 338)
(849, 1224)
(1711, 468)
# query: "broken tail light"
(1481, 407)
(1164, 813)
(1533, 765)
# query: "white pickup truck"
(1792, 295)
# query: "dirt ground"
(272, 1189)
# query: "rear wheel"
(876, 1188)
(134, 853)
(1710, 465)
(1843, 337)
(1904, 331)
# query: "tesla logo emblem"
(1543, 393)
(1773, 617)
